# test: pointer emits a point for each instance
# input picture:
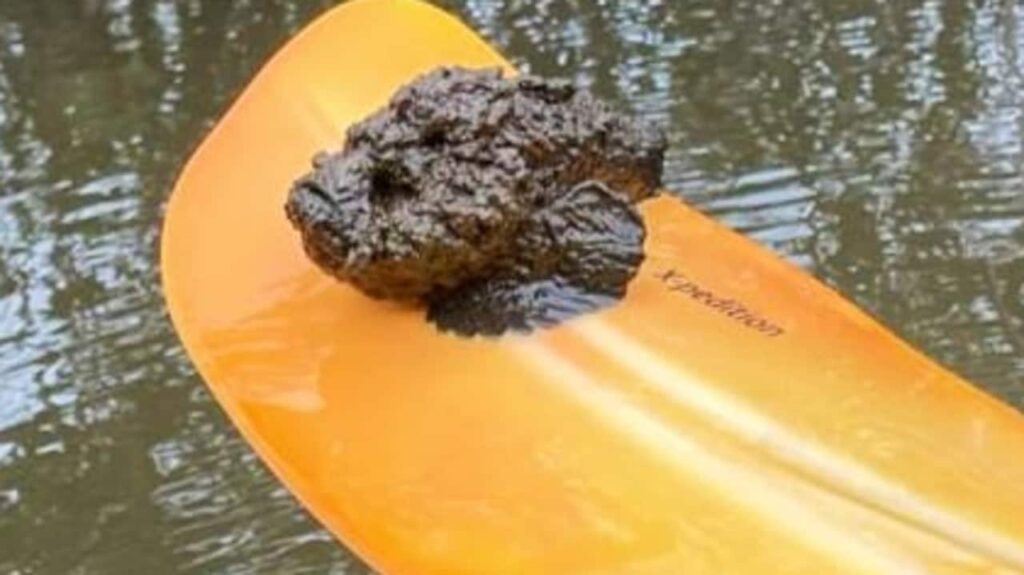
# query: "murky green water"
(877, 143)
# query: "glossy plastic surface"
(731, 415)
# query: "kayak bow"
(730, 415)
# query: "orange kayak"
(730, 415)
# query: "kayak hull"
(730, 415)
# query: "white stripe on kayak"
(834, 472)
(802, 521)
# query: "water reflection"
(877, 143)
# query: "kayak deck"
(730, 415)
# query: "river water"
(879, 144)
